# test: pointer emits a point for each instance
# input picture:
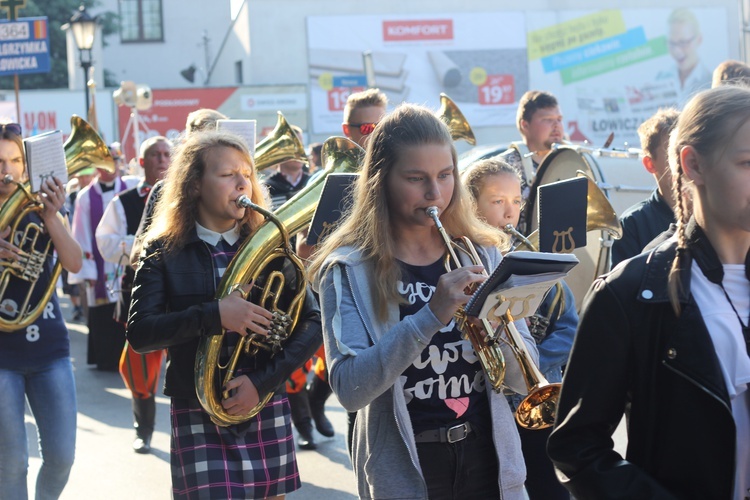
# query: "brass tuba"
(281, 145)
(451, 115)
(83, 149)
(484, 341)
(269, 242)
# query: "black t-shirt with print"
(445, 385)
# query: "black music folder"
(562, 215)
(335, 200)
(519, 284)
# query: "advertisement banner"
(171, 107)
(612, 69)
(415, 58)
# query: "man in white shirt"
(96, 273)
(114, 236)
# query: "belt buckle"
(457, 433)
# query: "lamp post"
(83, 27)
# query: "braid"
(674, 284)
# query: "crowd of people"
(663, 339)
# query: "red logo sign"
(404, 31)
(498, 89)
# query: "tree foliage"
(58, 13)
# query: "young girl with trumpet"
(427, 423)
(665, 335)
(495, 187)
(197, 229)
(35, 361)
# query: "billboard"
(171, 107)
(612, 69)
(415, 58)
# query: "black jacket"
(641, 223)
(174, 305)
(631, 349)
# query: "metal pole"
(86, 67)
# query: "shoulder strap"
(526, 161)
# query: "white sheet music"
(243, 128)
(45, 157)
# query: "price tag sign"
(337, 97)
(497, 89)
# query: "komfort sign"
(24, 46)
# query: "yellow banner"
(574, 33)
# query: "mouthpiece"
(432, 212)
(244, 202)
(8, 179)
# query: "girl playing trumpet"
(427, 424)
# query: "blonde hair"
(707, 123)
(368, 228)
(176, 212)
(203, 119)
(476, 175)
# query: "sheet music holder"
(242, 128)
(562, 215)
(519, 284)
(334, 201)
(45, 157)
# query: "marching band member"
(663, 334)
(646, 220)
(196, 230)
(496, 189)
(114, 237)
(35, 361)
(427, 425)
(540, 123)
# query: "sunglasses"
(13, 128)
(364, 128)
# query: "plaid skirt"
(212, 462)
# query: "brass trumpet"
(484, 340)
(281, 145)
(457, 123)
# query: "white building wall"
(158, 64)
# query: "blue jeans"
(50, 390)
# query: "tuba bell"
(269, 242)
(451, 115)
(281, 145)
(83, 149)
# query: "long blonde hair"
(177, 209)
(368, 228)
(708, 124)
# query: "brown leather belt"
(444, 434)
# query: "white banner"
(478, 59)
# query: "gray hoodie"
(366, 359)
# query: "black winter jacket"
(174, 304)
(631, 348)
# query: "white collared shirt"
(212, 237)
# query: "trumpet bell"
(281, 145)
(537, 410)
(457, 123)
(84, 148)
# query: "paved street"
(107, 468)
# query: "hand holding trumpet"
(241, 316)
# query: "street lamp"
(84, 32)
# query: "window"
(141, 21)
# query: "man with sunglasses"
(362, 113)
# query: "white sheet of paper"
(243, 128)
(45, 157)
